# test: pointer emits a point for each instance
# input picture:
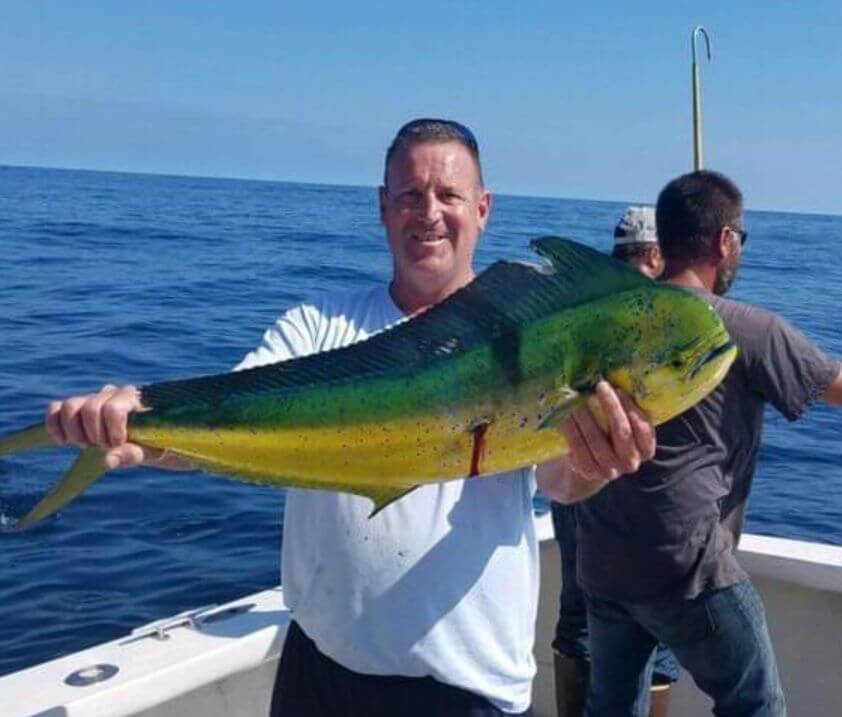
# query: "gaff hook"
(698, 161)
(699, 30)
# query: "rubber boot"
(660, 697)
(571, 685)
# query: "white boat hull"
(224, 664)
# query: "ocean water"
(121, 278)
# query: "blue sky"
(567, 100)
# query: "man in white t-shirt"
(428, 608)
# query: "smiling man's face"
(433, 208)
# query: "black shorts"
(310, 684)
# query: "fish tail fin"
(29, 439)
(88, 467)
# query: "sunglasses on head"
(465, 134)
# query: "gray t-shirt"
(671, 529)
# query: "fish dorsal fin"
(584, 274)
(499, 303)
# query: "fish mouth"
(711, 356)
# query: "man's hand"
(100, 419)
(596, 455)
(603, 455)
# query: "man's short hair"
(428, 129)
(692, 210)
(638, 250)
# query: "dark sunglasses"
(465, 134)
(742, 233)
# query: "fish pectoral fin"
(568, 401)
(88, 467)
(383, 497)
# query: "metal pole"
(698, 155)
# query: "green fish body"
(473, 386)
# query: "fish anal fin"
(88, 467)
(384, 497)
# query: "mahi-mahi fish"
(475, 385)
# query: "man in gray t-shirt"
(657, 548)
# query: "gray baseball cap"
(637, 226)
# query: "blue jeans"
(719, 637)
(571, 632)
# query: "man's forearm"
(559, 482)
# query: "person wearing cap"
(636, 243)
(430, 608)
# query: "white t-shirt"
(443, 582)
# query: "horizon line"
(369, 186)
